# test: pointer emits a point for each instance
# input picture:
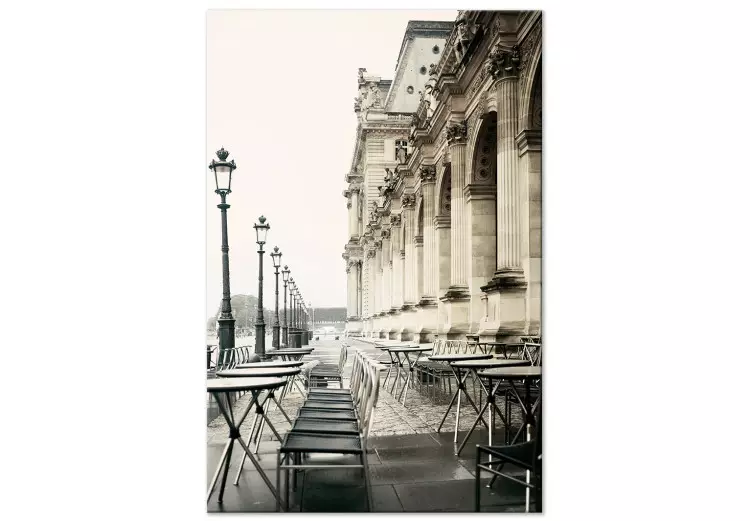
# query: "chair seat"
(322, 404)
(326, 414)
(325, 426)
(330, 443)
(342, 398)
(323, 390)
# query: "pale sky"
(280, 91)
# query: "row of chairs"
(324, 374)
(331, 421)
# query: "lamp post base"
(226, 338)
(284, 337)
(303, 337)
(260, 339)
(275, 337)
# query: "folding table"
(384, 348)
(512, 375)
(460, 382)
(473, 367)
(292, 354)
(225, 386)
(408, 377)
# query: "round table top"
(290, 351)
(393, 346)
(409, 349)
(456, 357)
(259, 371)
(272, 363)
(512, 373)
(216, 385)
(491, 362)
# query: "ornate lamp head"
(261, 230)
(276, 257)
(223, 171)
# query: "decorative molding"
(527, 50)
(396, 220)
(370, 254)
(442, 221)
(385, 234)
(478, 192)
(455, 133)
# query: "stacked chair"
(323, 374)
(331, 421)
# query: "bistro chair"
(526, 456)
(344, 435)
(324, 374)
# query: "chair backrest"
(373, 391)
(533, 353)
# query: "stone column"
(418, 263)
(407, 203)
(378, 277)
(397, 279)
(354, 213)
(352, 216)
(459, 256)
(351, 287)
(358, 267)
(502, 65)
(429, 266)
(386, 260)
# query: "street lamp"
(285, 276)
(261, 230)
(312, 310)
(223, 175)
(293, 311)
(276, 258)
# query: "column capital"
(408, 201)
(427, 174)
(456, 133)
(503, 62)
(396, 220)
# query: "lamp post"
(261, 230)
(285, 327)
(276, 258)
(223, 175)
(292, 311)
(303, 322)
(312, 321)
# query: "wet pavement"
(412, 467)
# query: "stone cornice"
(477, 192)
(529, 140)
(442, 221)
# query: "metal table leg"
(234, 435)
(461, 387)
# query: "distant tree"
(211, 324)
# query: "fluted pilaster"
(429, 267)
(386, 261)
(397, 280)
(407, 203)
(459, 232)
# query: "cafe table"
(223, 387)
(384, 348)
(451, 358)
(402, 357)
(474, 367)
(512, 375)
(260, 372)
(292, 354)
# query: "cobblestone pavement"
(422, 413)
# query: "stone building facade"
(444, 191)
